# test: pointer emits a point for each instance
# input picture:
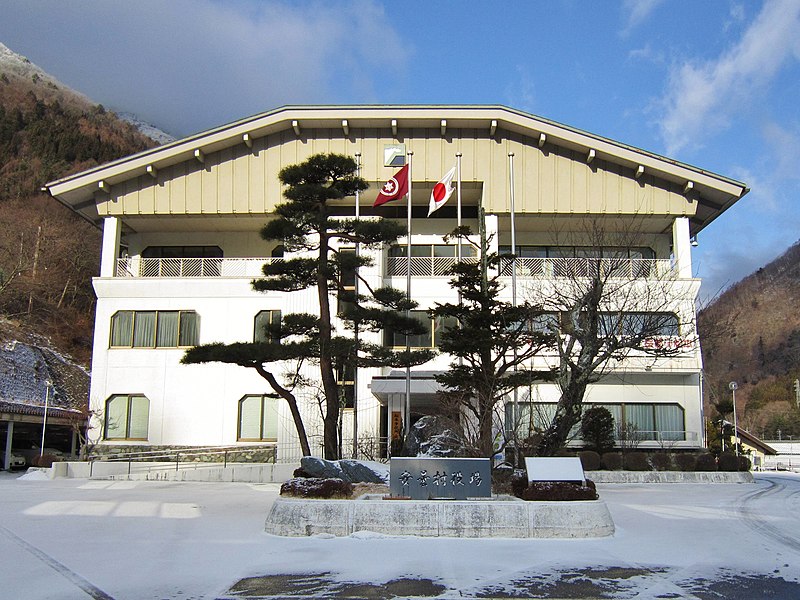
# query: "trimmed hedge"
(728, 461)
(559, 491)
(314, 487)
(636, 461)
(686, 462)
(590, 460)
(611, 461)
(706, 462)
(661, 461)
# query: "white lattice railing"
(541, 268)
(190, 267)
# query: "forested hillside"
(752, 336)
(47, 254)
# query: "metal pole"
(513, 272)
(44, 420)
(355, 329)
(458, 198)
(407, 428)
(733, 386)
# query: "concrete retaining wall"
(159, 471)
(670, 476)
(441, 518)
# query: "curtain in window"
(270, 419)
(139, 417)
(167, 332)
(614, 409)
(641, 416)
(122, 328)
(669, 421)
(116, 417)
(144, 330)
(250, 418)
(188, 328)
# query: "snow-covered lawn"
(67, 539)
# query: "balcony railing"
(542, 268)
(133, 266)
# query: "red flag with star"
(395, 188)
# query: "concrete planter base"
(506, 517)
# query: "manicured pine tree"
(306, 223)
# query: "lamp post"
(733, 387)
(44, 420)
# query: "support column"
(9, 439)
(682, 247)
(112, 231)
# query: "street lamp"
(732, 386)
(44, 420)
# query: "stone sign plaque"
(440, 478)
(565, 468)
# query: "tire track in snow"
(748, 511)
(92, 590)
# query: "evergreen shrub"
(636, 461)
(728, 461)
(706, 462)
(745, 463)
(315, 487)
(685, 462)
(590, 460)
(559, 490)
(611, 461)
(597, 429)
(661, 461)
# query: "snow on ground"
(64, 539)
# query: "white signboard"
(566, 468)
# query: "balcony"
(134, 267)
(543, 268)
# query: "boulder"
(317, 488)
(352, 471)
(433, 436)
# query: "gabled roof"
(714, 192)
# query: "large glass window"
(154, 329)
(430, 338)
(126, 417)
(644, 421)
(258, 419)
(266, 321)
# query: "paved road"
(78, 539)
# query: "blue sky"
(714, 84)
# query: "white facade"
(173, 200)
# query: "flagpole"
(458, 199)
(408, 296)
(513, 271)
(355, 328)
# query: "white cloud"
(521, 93)
(702, 97)
(199, 63)
(638, 12)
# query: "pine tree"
(492, 345)
(306, 224)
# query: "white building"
(181, 245)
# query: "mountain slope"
(751, 335)
(47, 254)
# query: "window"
(632, 324)
(430, 338)
(258, 419)
(126, 417)
(648, 421)
(345, 300)
(154, 329)
(267, 325)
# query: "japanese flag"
(441, 191)
(395, 188)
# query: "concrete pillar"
(112, 231)
(682, 247)
(9, 439)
